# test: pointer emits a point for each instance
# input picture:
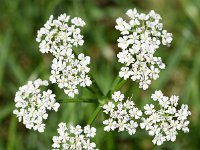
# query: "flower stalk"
(95, 114)
(78, 100)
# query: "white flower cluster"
(69, 72)
(58, 36)
(141, 37)
(74, 138)
(32, 104)
(164, 123)
(122, 115)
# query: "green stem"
(118, 86)
(96, 85)
(95, 89)
(78, 100)
(90, 89)
(116, 81)
(95, 114)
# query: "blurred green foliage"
(20, 60)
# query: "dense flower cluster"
(70, 72)
(164, 123)
(32, 104)
(74, 138)
(141, 37)
(58, 36)
(122, 114)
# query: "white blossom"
(69, 72)
(32, 104)
(122, 114)
(74, 138)
(60, 35)
(164, 122)
(78, 22)
(141, 36)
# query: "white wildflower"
(60, 35)
(141, 36)
(32, 104)
(122, 114)
(78, 22)
(164, 123)
(74, 138)
(69, 72)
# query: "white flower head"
(123, 114)
(74, 137)
(141, 36)
(60, 35)
(69, 73)
(32, 104)
(164, 123)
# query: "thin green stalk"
(116, 81)
(12, 133)
(96, 85)
(90, 89)
(96, 89)
(6, 111)
(95, 114)
(118, 86)
(4, 53)
(78, 100)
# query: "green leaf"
(5, 43)
(94, 115)
(6, 111)
(12, 134)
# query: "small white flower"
(111, 124)
(90, 132)
(164, 123)
(149, 109)
(122, 114)
(74, 138)
(78, 22)
(141, 36)
(157, 95)
(108, 107)
(117, 96)
(32, 104)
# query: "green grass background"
(20, 60)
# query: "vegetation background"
(20, 60)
